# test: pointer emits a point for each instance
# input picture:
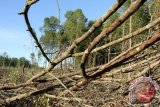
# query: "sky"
(17, 42)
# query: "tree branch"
(25, 14)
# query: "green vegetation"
(56, 38)
(6, 61)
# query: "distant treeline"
(6, 61)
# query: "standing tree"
(74, 27)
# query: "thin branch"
(64, 86)
(63, 98)
(32, 32)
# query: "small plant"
(41, 101)
(14, 75)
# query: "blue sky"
(13, 36)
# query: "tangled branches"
(102, 72)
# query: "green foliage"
(118, 32)
(14, 75)
(154, 8)
(41, 101)
(23, 61)
(57, 36)
(19, 74)
(49, 39)
(139, 19)
(74, 25)
(52, 38)
(6, 61)
(34, 61)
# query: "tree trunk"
(109, 49)
(130, 40)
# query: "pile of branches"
(114, 70)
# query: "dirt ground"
(97, 93)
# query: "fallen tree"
(101, 72)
